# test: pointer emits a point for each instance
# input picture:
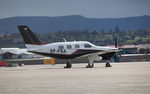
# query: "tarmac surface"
(121, 78)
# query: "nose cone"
(112, 49)
(115, 49)
(109, 49)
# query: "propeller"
(116, 42)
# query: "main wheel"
(68, 65)
(90, 65)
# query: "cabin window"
(61, 47)
(76, 46)
(87, 45)
(69, 46)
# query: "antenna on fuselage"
(64, 40)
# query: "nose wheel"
(108, 64)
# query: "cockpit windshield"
(87, 45)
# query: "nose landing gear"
(108, 64)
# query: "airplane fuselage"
(70, 50)
(66, 50)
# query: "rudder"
(28, 36)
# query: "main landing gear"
(68, 65)
(90, 64)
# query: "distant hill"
(73, 22)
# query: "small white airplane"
(66, 50)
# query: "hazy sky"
(87, 8)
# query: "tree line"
(96, 37)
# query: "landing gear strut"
(108, 64)
(90, 65)
(68, 65)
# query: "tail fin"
(28, 36)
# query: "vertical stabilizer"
(28, 36)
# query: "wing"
(106, 55)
